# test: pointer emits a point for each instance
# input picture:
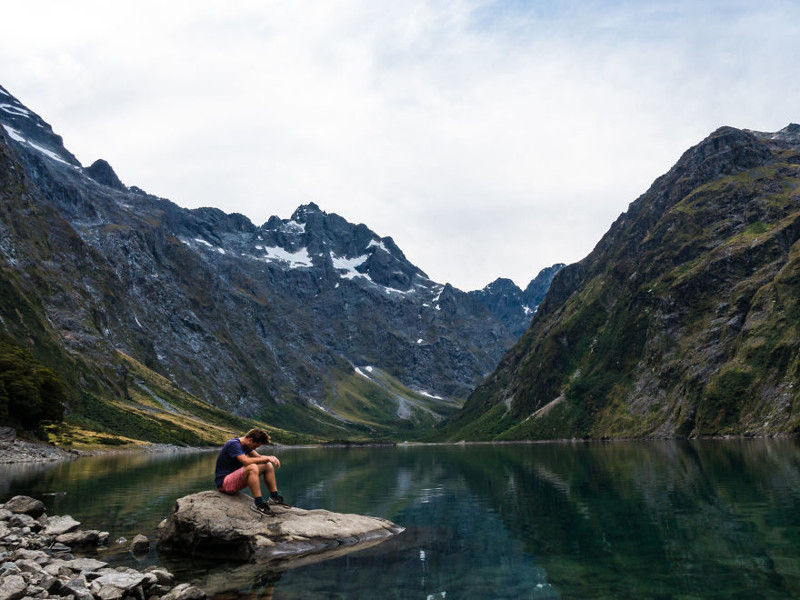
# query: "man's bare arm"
(254, 458)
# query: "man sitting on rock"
(239, 466)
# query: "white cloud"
(488, 138)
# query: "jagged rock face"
(684, 319)
(102, 173)
(513, 306)
(259, 320)
(29, 130)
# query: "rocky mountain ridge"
(311, 323)
(513, 306)
(683, 321)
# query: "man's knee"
(267, 468)
(249, 469)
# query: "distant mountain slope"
(683, 321)
(272, 322)
(513, 306)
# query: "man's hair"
(258, 435)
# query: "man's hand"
(254, 457)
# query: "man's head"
(256, 437)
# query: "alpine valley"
(684, 320)
(124, 317)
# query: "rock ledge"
(211, 524)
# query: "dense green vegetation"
(156, 410)
(30, 394)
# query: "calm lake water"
(704, 519)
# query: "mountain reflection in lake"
(705, 519)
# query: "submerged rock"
(212, 524)
(140, 545)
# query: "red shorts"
(234, 482)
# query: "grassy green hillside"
(152, 409)
(381, 405)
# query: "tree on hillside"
(29, 392)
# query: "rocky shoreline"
(17, 451)
(37, 561)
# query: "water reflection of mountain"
(651, 519)
(457, 548)
(624, 519)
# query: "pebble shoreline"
(19, 451)
(36, 561)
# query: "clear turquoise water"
(705, 519)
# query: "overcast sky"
(489, 139)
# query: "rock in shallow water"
(25, 505)
(88, 537)
(140, 545)
(212, 524)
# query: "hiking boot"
(264, 509)
(279, 501)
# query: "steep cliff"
(683, 321)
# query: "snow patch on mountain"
(204, 243)
(14, 134)
(364, 375)
(438, 292)
(19, 138)
(293, 227)
(348, 265)
(300, 258)
(15, 110)
(377, 244)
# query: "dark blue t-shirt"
(227, 462)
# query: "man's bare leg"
(268, 472)
(251, 473)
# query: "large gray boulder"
(212, 524)
(59, 525)
(13, 587)
(25, 505)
